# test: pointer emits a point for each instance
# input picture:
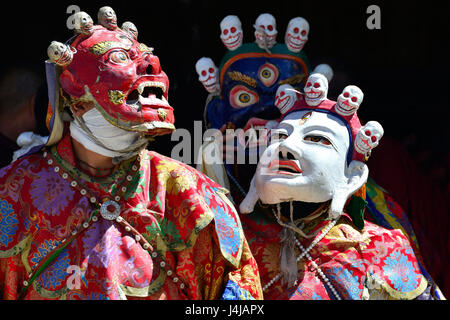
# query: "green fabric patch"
(355, 209)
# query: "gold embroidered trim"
(406, 295)
(18, 248)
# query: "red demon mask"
(121, 77)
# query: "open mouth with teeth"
(296, 42)
(313, 95)
(233, 41)
(210, 83)
(345, 107)
(148, 93)
(65, 57)
(283, 103)
(362, 145)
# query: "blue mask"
(249, 78)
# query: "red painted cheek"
(117, 78)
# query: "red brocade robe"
(372, 263)
(177, 237)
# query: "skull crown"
(296, 35)
(62, 54)
(316, 89)
(265, 31)
(231, 32)
(207, 74)
(368, 137)
(232, 36)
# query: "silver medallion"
(110, 210)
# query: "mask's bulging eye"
(268, 74)
(318, 139)
(241, 97)
(118, 57)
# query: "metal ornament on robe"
(110, 210)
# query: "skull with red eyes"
(207, 74)
(349, 100)
(285, 97)
(231, 32)
(121, 78)
(296, 34)
(316, 89)
(368, 137)
(265, 31)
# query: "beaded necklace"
(305, 252)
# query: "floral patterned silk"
(194, 231)
(374, 263)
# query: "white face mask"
(111, 141)
(307, 162)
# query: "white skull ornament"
(60, 53)
(265, 31)
(368, 137)
(349, 100)
(207, 74)
(107, 18)
(83, 23)
(316, 89)
(296, 34)
(130, 28)
(285, 98)
(231, 32)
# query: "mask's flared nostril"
(290, 156)
(149, 69)
(286, 155)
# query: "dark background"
(402, 68)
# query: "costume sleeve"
(211, 276)
(244, 282)
(205, 243)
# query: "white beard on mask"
(104, 138)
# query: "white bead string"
(305, 252)
(319, 271)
